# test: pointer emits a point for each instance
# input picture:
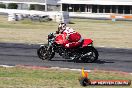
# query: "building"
(97, 6)
(41, 5)
(89, 6)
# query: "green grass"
(103, 32)
(19, 77)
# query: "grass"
(19, 77)
(103, 32)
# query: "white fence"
(55, 16)
(89, 15)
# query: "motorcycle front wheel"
(44, 53)
(90, 55)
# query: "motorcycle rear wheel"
(44, 54)
(90, 56)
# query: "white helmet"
(61, 27)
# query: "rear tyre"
(90, 55)
(45, 54)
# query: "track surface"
(24, 54)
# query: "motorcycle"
(84, 52)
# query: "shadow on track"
(97, 62)
(103, 62)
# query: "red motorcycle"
(84, 51)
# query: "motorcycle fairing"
(60, 39)
(86, 42)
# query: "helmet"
(61, 27)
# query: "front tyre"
(44, 53)
(90, 55)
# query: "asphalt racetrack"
(24, 54)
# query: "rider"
(71, 38)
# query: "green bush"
(32, 7)
(12, 6)
(2, 6)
